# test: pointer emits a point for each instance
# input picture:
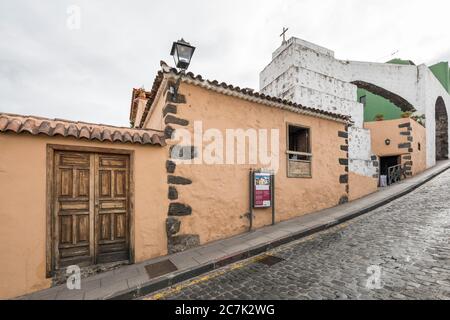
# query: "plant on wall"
(379, 117)
(406, 114)
(419, 118)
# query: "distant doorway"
(441, 130)
(390, 170)
(387, 162)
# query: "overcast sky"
(49, 69)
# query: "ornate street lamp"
(182, 53)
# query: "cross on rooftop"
(283, 34)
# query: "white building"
(310, 75)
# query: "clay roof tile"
(59, 129)
(157, 140)
(96, 134)
(3, 123)
(13, 125)
(117, 136)
(72, 131)
(106, 135)
(79, 130)
(137, 138)
(30, 127)
(127, 137)
(45, 128)
(85, 133)
(146, 139)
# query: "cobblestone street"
(405, 242)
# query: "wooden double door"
(90, 208)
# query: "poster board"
(262, 188)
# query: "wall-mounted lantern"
(182, 53)
(387, 142)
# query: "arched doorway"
(441, 130)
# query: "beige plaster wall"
(23, 207)
(155, 117)
(361, 186)
(219, 193)
(382, 130)
(419, 157)
(388, 129)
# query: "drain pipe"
(272, 194)
(250, 207)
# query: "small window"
(362, 100)
(419, 146)
(299, 152)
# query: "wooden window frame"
(288, 152)
(51, 149)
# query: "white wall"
(310, 75)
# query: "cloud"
(87, 74)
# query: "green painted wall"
(401, 61)
(442, 73)
(378, 105)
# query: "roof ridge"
(74, 122)
(36, 125)
(167, 70)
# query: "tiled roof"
(149, 95)
(198, 79)
(79, 130)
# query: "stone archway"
(441, 130)
(399, 101)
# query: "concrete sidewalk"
(133, 281)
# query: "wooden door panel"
(82, 184)
(112, 208)
(113, 161)
(105, 183)
(66, 230)
(120, 183)
(120, 225)
(66, 183)
(74, 159)
(73, 210)
(91, 208)
(105, 227)
(83, 229)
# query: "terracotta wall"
(23, 207)
(419, 157)
(219, 194)
(361, 186)
(397, 132)
(388, 129)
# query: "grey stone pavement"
(398, 251)
(333, 265)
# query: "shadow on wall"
(441, 130)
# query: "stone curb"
(175, 278)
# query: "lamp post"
(182, 53)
